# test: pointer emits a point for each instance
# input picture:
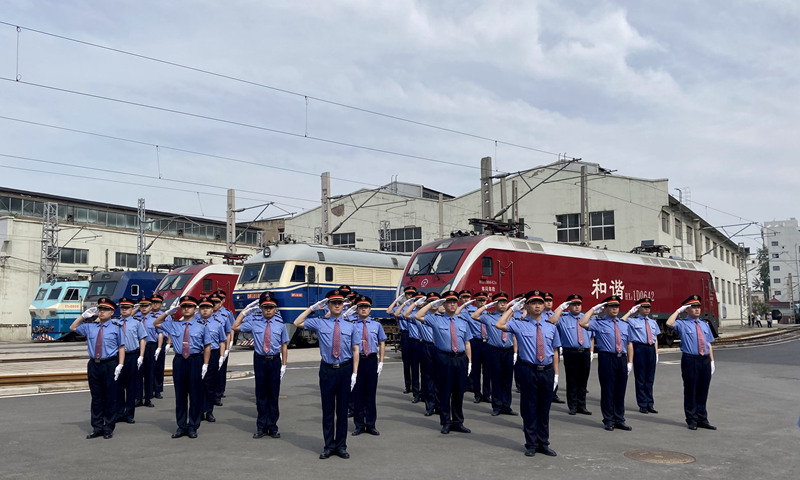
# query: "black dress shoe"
(158, 396)
(373, 431)
(149, 404)
(610, 428)
(192, 434)
(643, 410)
(325, 454)
(275, 434)
(520, 391)
(558, 400)
(623, 426)
(486, 399)
(530, 452)
(178, 434)
(139, 403)
(407, 390)
(357, 432)
(428, 413)
(692, 426)
(477, 400)
(547, 451)
(445, 429)
(129, 420)
(583, 411)
(108, 435)
(509, 412)
(218, 402)
(707, 426)
(572, 412)
(460, 428)
(415, 400)
(95, 434)
(259, 434)
(652, 410)
(210, 417)
(495, 412)
(342, 452)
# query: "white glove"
(490, 305)
(349, 311)
(353, 381)
(117, 371)
(561, 351)
(380, 368)
(420, 302)
(158, 352)
(135, 308)
(469, 302)
(630, 368)
(204, 371)
(283, 371)
(555, 382)
(408, 302)
(139, 362)
(469, 369)
(713, 367)
(683, 309)
(226, 354)
(634, 309)
(171, 311)
(221, 361)
(437, 303)
(656, 359)
(319, 305)
(564, 306)
(598, 308)
(166, 349)
(517, 306)
(176, 303)
(591, 357)
(252, 304)
(400, 297)
(515, 359)
(89, 313)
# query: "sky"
(175, 102)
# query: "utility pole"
(48, 262)
(141, 248)
(791, 295)
(744, 298)
(383, 235)
(487, 191)
(441, 215)
(584, 231)
(230, 224)
(325, 238)
(503, 199)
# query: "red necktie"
(365, 338)
(483, 331)
(617, 337)
(649, 332)
(580, 332)
(98, 344)
(337, 342)
(505, 337)
(701, 339)
(453, 337)
(267, 342)
(185, 347)
(539, 343)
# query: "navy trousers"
(428, 367)
(365, 391)
(222, 378)
(406, 359)
(149, 370)
(211, 382)
(480, 364)
(613, 372)
(126, 386)
(103, 389)
(536, 396)
(644, 372)
(188, 381)
(334, 387)
(696, 373)
(577, 365)
(414, 354)
(451, 383)
(501, 362)
(268, 390)
(158, 380)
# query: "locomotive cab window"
(208, 284)
(487, 266)
(250, 273)
(41, 294)
(328, 274)
(54, 294)
(312, 275)
(134, 290)
(299, 274)
(272, 272)
(72, 295)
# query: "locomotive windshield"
(435, 263)
(272, 272)
(174, 282)
(40, 294)
(250, 273)
(54, 294)
(102, 289)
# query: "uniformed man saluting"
(192, 344)
(216, 331)
(106, 357)
(271, 348)
(578, 345)
(697, 361)
(453, 359)
(338, 370)
(614, 360)
(372, 349)
(643, 332)
(536, 368)
(134, 335)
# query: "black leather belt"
(536, 366)
(615, 354)
(427, 343)
(268, 357)
(104, 360)
(502, 348)
(338, 365)
(368, 356)
(452, 354)
(570, 349)
(643, 344)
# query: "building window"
(74, 255)
(665, 222)
(678, 229)
(689, 235)
(727, 256)
(401, 239)
(601, 225)
(568, 228)
(344, 239)
(776, 255)
(184, 261)
(776, 280)
(776, 268)
(777, 293)
(774, 244)
(128, 260)
(715, 250)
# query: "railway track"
(45, 378)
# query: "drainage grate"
(659, 456)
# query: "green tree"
(761, 281)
